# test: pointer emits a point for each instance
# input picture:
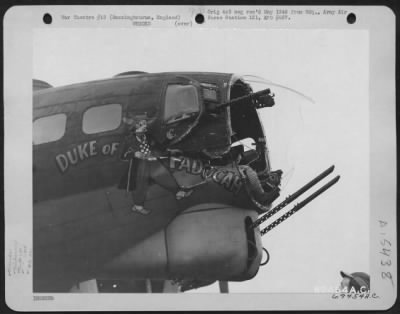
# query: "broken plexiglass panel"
(282, 123)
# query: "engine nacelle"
(205, 242)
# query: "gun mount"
(260, 99)
(294, 196)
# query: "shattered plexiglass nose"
(283, 125)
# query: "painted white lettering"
(227, 180)
(197, 167)
(218, 175)
(73, 156)
(173, 162)
(106, 149)
(114, 148)
(208, 172)
(92, 147)
(62, 162)
(236, 184)
(185, 164)
(82, 151)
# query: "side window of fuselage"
(102, 118)
(49, 129)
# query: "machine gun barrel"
(299, 206)
(259, 99)
(292, 197)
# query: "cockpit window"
(181, 102)
(49, 129)
(102, 118)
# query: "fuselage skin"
(81, 219)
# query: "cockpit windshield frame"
(176, 107)
(173, 126)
